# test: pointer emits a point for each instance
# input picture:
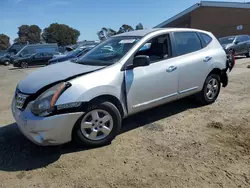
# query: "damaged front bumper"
(53, 130)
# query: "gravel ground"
(176, 145)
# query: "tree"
(125, 28)
(61, 34)
(4, 42)
(34, 34)
(29, 34)
(17, 40)
(139, 27)
(105, 33)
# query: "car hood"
(53, 73)
(60, 55)
(227, 45)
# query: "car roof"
(144, 32)
(44, 44)
(233, 36)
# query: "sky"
(88, 16)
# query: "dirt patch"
(216, 125)
(154, 127)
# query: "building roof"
(206, 4)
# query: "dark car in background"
(72, 55)
(81, 44)
(31, 49)
(5, 60)
(15, 48)
(33, 60)
(236, 45)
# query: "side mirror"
(236, 42)
(140, 61)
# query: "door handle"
(171, 68)
(206, 59)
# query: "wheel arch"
(109, 98)
(222, 74)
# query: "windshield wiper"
(93, 63)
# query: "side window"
(157, 48)
(39, 55)
(45, 49)
(206, 38)
(187, 42)
(145, 47)
(245, 38)
(240, 39)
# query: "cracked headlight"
(45, 103)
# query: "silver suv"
(126, 74)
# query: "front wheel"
(6, 63)
(98, 126)
(211, 90)
(24, 65)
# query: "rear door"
(245, 39)
(192, 60)
(240, 46)
(46, 58)
(37, 59)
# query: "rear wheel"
(248, 53)
(98, 126)
(24, 65)
(211, 90)
(6, 63)
(231, 52)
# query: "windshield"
(226, 40)
(109, 51)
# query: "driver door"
(37, 59)
(155, 84)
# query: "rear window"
(187, 42)
(206, 38)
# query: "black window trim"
(175, 51)
(204, 44)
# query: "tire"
(90, 123)
(6, 63)
(208, 96)
(231, 52)
(248, 54)
(24, 65)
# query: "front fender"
(100, 90)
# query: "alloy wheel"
(212, 89)
(97, 124)
(6, 63)
(24, 64)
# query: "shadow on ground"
(20, 68)
(17, 153)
